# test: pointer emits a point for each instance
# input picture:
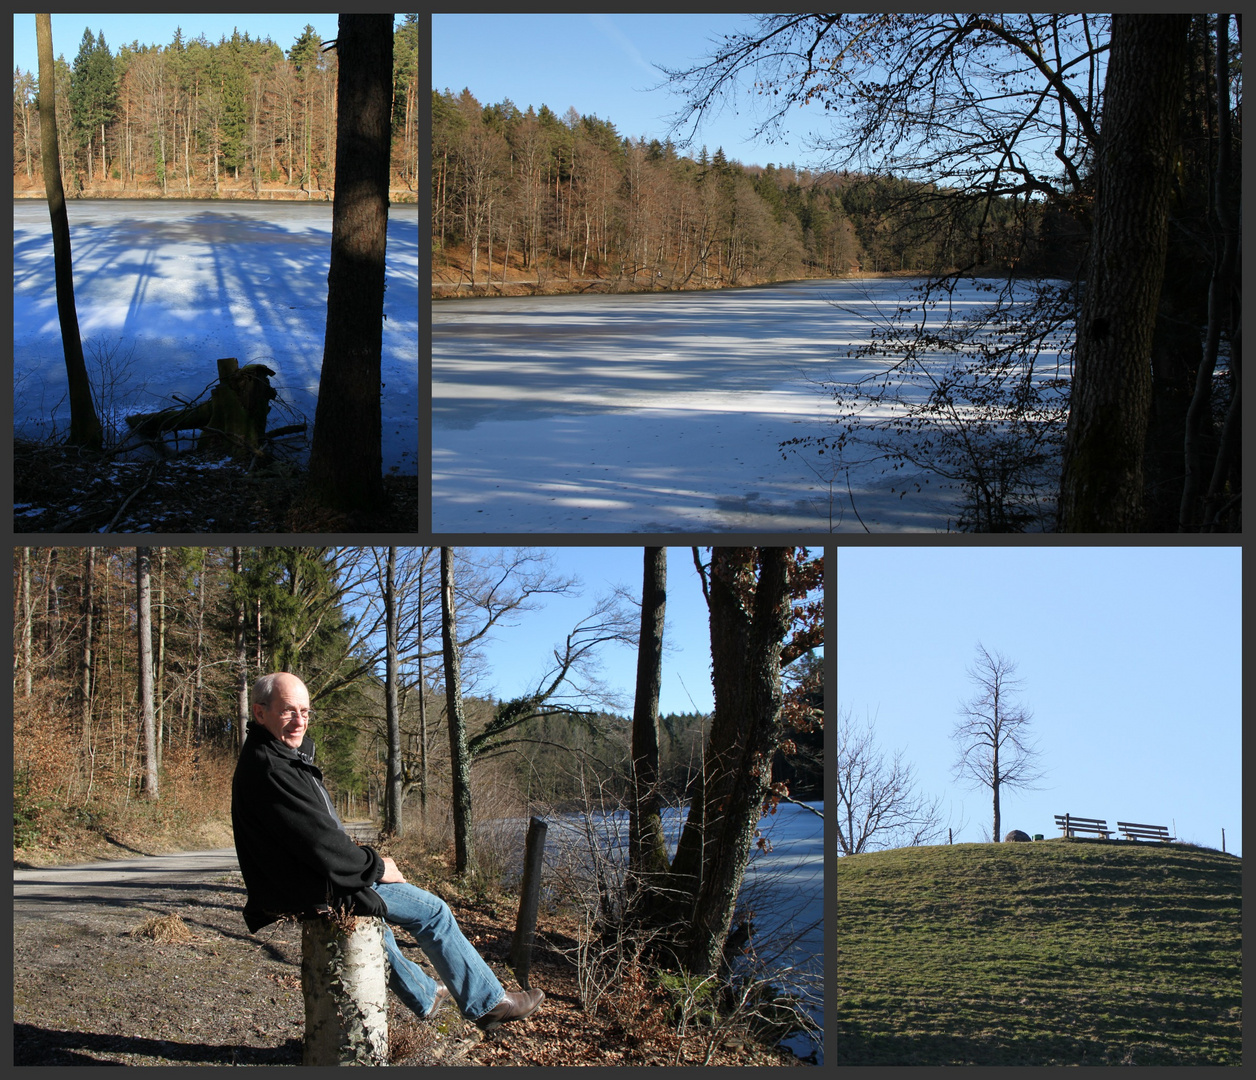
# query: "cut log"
(345, 983)
(234, 417)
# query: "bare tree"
(994, 750)
(647, 850)
(878, 805)
(85, 429)
(459, 759)
(144, 629)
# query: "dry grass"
(164, 929)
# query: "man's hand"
(391, 873)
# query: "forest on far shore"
(535, 197)
(195, 119)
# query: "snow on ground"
(178, 284)
(658, 413)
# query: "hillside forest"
(528, 196)
(93, 734)
(199, 119)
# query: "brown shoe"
(514, 1006)
(442, 995)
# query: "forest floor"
(92, 987)
(114, 979)
(56, 489)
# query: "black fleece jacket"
(293, 851)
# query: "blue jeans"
(469, 979)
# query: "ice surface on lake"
(658, 412)
(181, 283)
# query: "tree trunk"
(1223, 299)
(647, 853)
(27, 623)
(393, 794)
(345, 456)
(85, 684)
(459, 759)
(1101, 486)
(345, 984)
(144, 622)
(241, 654)
(750, 620)
(85, 429)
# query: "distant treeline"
(193, 117)
(571, 197)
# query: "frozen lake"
(783, 887)
(179, 283)
(657, 412)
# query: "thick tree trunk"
(85, 429)
(647, 853)
(144, 624)
(345, 454)
(345, 983)
(459, 759)
(1102, 482)
(750, 619)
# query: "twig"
(851, 495)
(127, 501)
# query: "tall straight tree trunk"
(459, 759)
(418, 636)
(241, 653)
(27, 623)
(85, 684)
(346, 458)
(85, 429)
(144, 623)
(1101, 486)
(647, 853)
(393, 793)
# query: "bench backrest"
(1061, 818)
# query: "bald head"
(281, 704)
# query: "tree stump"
(234, 417)
(345, 983)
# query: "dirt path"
(87, 991)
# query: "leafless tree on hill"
(992, 732)
(878, 805)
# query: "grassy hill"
(1062, 952)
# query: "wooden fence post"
(529, 902)
(345, 983)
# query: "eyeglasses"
(292, 714)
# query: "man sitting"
(296, 858)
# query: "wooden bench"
(1134, 831)
(1070, 825)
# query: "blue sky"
(67, 31)
(600, 65)
(1131, 659)
(518, 655)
